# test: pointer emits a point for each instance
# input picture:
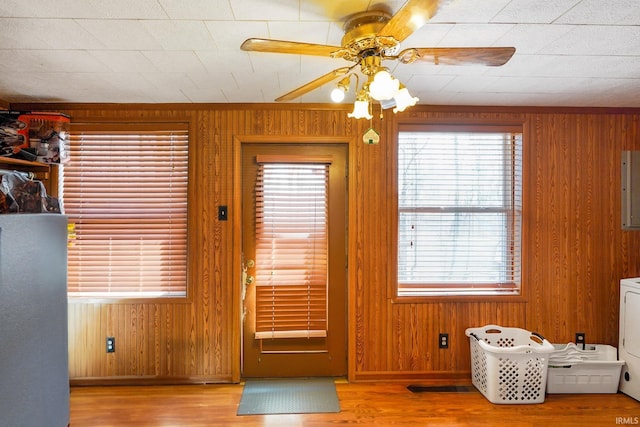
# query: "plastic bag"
(22, 194)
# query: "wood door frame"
(236, 218)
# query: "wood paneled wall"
(574, 249)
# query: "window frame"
(142, 126)
(453, 125)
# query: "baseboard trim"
(149, 380)
(424, 377)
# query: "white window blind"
(460, 211)
(291, 249)
(125, 190)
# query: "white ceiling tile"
(472, 35)
(98, 9)
(531, 12)
(124, 60)
(169, 87)
(470, 84)
(623, 95)
(121, 34)
(568, 52)
(531, 38)
(209, 93)
(174, 61)
(128, 82)
(23, 87)
(224, 61)
(611, 12)
(262, 63)
(218, 10)
(47, 9)
(614, 67)
(11, 37)
(247, 89)
(212, 80)
(430, 35)
(124, 9)
(306, 32)
(404, 72)
(87, 87)
(246, 80)
(538, 84)
(180, 35)
(29, 33)
(129, 86)
(335, 35)
(469, 11)
(257, 10)
(597, 40)
(506, 99)
(55, 61)
(421, 85)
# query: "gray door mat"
(289, 396)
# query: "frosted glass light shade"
(383, 86)
(360, 110)
(404, 100)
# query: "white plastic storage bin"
(509, 365)
(596, 369)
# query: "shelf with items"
(33, 141)
(41, 171)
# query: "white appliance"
(629, 347)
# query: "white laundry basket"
(509, 365)
(592, 369)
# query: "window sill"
(143, 299)
(458, 298)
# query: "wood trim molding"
(425, 377)
(150, 380)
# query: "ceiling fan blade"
(491, 56)
(280, 46)
(411, 16)
(314, 84)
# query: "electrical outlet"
(111, 344)
(443, 341)
(580, 339)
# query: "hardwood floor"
(367, 404)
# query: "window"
(460, 210)
(291, 249)
(125, 192)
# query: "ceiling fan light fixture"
(404, 99)
(384, 86)
(370, 38)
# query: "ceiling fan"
(371, 37)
